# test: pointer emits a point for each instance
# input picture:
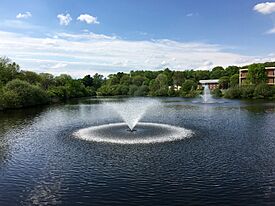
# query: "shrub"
(188, 85)
(142, 91)
(132, 89)
(234, 80)
(217, 92)
(232, 93)
(262, 90)
(247, 91)
(18, 93)
(103, 91)
(59, 92)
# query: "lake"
(228, 160)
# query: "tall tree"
(224, 82)
(256, 74)
(234, 80)
(217, 72)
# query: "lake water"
(228, 160)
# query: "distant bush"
(247, 91)
(232, 93)
(18, 93)
(142, 91)
(172, 92)
(259, 91)
(132, 89)
(262, 90)
(217, 92)
(1, 99)
(234, 80)
(188, 85)
(122, 90)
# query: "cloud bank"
(81, 54)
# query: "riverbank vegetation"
(19, 88)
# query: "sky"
(107, 36)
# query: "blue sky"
(80, 37)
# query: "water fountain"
(206, 96)
(133, 110)
(132, 131)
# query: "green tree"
(217, 92)
(153, 87)
(47, 80)
(88, 81)
(159, 86)
(232, 93)
(132, 89)
(142, 91)
(178, 78)
(188, 85)
(97, 80)
(217, 72)
(8, 70)
(231, 70)
(28, 76)
(18, 93)
(202, 74)
(234, 80)
(62, 79)
(125, 80)
(103, 91)
(262, 90)
(224, 82)
(247, 91)
(256, 74)
(138, 80)
(169, 74)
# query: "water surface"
(229, 160)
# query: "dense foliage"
(20, 88)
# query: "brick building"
(270, 72)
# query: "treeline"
(20, 88)
(185, 83)
(165, 82)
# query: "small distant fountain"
(206, 96)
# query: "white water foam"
(172, 133)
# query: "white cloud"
(88, 19)
(80, 56)
(24, 15)
(49, 41)
(190, 15)
(58, 66)
(265, 8)
(64, 19)
(85, 36)
(271, 31)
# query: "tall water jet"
(132, 110)
(206, 96)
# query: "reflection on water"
(229, 160)
(10, 122)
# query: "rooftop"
(265, 68)
(209, 81)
